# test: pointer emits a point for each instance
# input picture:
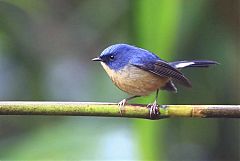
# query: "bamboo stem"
(112, 110)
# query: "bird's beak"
(97, 59)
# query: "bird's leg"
(122, 103)
(154, 110)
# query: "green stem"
(112, 110)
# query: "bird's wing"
(163, 69)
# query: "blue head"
(118, 56)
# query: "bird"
(139, 72)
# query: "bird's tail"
(192, 63)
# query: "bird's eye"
(111, 57)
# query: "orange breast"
(135, 81)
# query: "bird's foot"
(154, 110)
(121, 105)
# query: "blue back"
(125, 54)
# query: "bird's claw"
(121, 105)
(154, 110)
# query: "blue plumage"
(140, 72)
(124, 54)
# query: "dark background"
(46, 49)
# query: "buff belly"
(135, 81)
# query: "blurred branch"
(112, 110)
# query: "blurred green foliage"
(45, 54)
(155, 25)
